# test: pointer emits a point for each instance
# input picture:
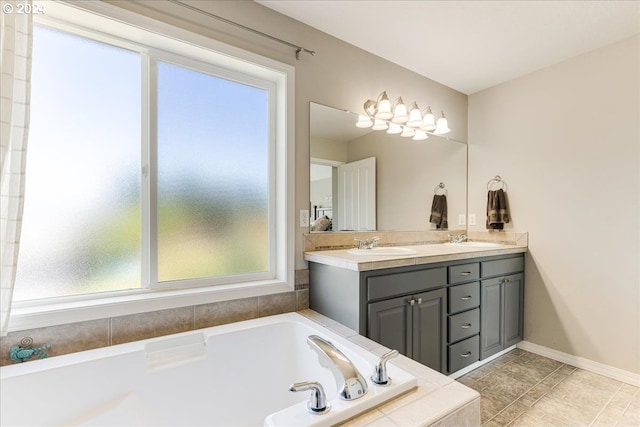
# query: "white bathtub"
(231, 375)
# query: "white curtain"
(15, 88)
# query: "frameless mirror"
(406, 176)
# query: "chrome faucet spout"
(457, 238)
(350, 382)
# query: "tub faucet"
(318, 400)
(350, 382)
(379, 376)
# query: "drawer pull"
(465, 273)
(467, 354)
(466, 298)
(466, 326)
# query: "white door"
(357, 195)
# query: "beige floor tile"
(490, 404)
(510, 413)
(524, 389)
(566, 412)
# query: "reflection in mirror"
(407, 174)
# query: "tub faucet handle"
(318, 400)
(379, 376)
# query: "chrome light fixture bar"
(396, 118)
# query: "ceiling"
(469, 45)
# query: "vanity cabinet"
(502, 313)
(445, 315)
(414, 325)
(463, 318)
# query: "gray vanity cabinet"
(445, 315)
(415, 325)
(502, 301)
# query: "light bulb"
(380, 125)
(408, 132)
(429, 121)
(364, 122)
(394, 129)
(420, 135)
(399, 112)
(383, 112)
(442, 126)
(415, 117)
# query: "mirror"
(407, 174)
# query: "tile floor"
(525, 389)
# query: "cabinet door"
(491, 335)
(429, 329)
(513, 294)
(390, 324)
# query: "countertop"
(424, 254)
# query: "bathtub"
(230, 375)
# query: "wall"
(566, 141)
(339, 75)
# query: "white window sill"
(72, 310)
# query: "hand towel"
(439, 211)
(497, 211)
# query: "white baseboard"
(582, 363)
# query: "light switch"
(472, 219)
(461, 219)
(304, 217)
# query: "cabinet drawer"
(464, 272)
(464, 353)
(502, 266)
(464, 325)
(464, 297)
(388, 285)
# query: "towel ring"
(440, 187)
(497, 180)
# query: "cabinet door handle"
(465, 273)
(466, 298)
(466, 326)
(419, 300)
(412, 301)
(467, 354)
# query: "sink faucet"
(366, 243)
(457, 238)
(350, 382)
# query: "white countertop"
(424, 254)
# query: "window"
(151, 167)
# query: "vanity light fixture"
(394, 128)
(442, 126)
(396, 118)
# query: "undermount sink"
(476, 244)
(382, 251)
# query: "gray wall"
(566, 140)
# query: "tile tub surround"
(345, 239)
(73, 337)
(521, 389)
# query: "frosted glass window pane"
(81, 224)
(212, 176)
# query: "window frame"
(110, 24)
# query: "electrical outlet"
(461, 219)
(304, 217)
(472, 219)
